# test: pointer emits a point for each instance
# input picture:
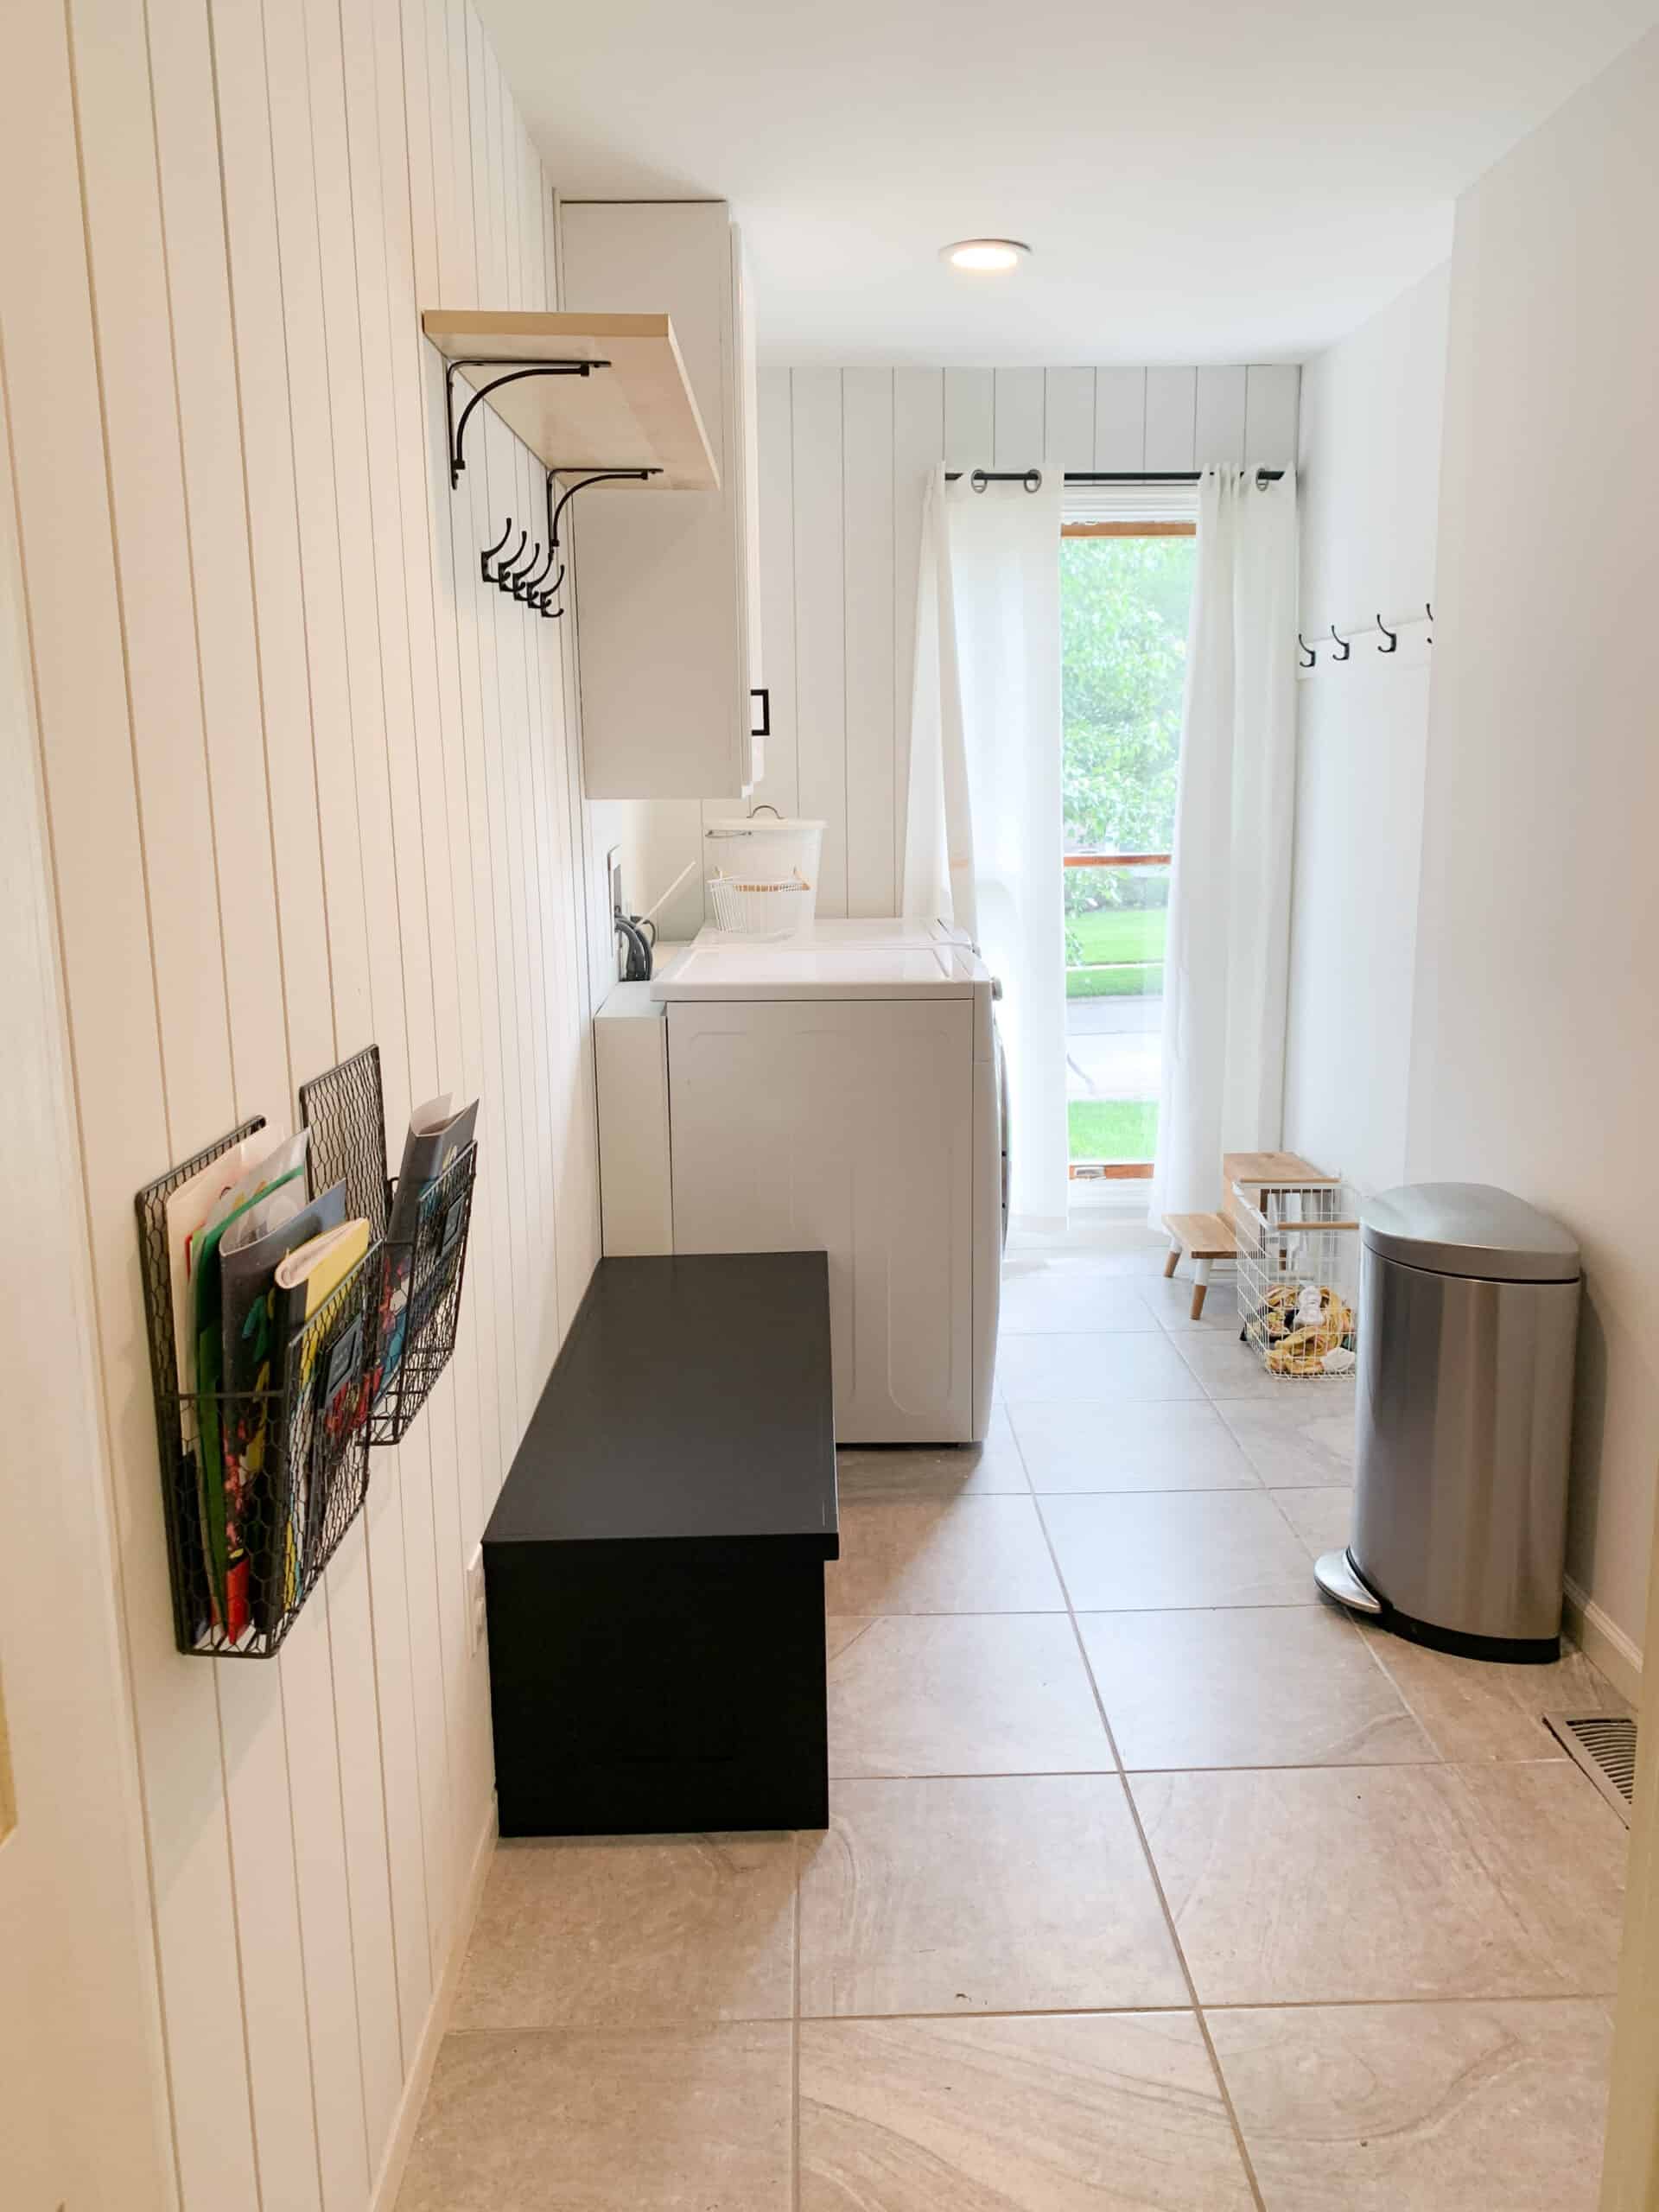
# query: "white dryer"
(840, 1094)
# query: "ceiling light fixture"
(985, 254)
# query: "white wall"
(307, 783)
(1369, 482)
(1536, 1041)
(844, 457)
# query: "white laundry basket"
(760, 874)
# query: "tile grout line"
(698, 2023)
(1256, 2196)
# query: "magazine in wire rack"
(425, 1216)
(259, 1298)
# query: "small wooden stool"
(1201, 1237)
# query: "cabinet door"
(662, 657)
(845, 1126)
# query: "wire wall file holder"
(417, 1308)
(258, 1485)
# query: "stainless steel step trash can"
(1468, 1322)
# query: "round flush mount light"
(985, 254)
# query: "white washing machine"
(839, 1096)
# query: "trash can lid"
(1469, 1229)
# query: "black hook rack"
(516, 372)
(535, 581)
(1313, 657)
(1346, 649)
(1393, 637)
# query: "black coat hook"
(542, 601)
(1429, 611)
(501, 567)
(532, 584)
(1346, 649)
(1393, 637)
(489, 553)
(1312, 656)
(513, 580)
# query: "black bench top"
(691, 1401)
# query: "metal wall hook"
(1393, 637)
(1429, 611)
(1312, 656)
(487, 556)
(514, 580)
(501, 567)
(1346, 649)
(541, 601)
(532, 584)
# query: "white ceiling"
(1201, 180)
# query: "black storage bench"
(654, 1565)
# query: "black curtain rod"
(1089, 476)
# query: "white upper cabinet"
(667, 591)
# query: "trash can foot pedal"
(1338, 1578)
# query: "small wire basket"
(760, 910)
(1299, 1275)
(259, 1486)
(418, 1292)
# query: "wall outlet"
(475, 1620)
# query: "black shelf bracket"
(515, 374)
(542, 601)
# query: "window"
(1126, 590)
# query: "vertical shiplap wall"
(309, 784)
(845, 456)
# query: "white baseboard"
(389, 2179)
(1603, 1643)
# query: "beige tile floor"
(1151, 1885)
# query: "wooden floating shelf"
(638, 412)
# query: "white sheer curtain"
(1228, 953)
(983, 841)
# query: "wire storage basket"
(418, 1306)
(760, 874)
(258, 1485)
(1299, 1275)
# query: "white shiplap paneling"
(820, 642)
(1069, 428)
(308, 784)
(1017, 427)
(1219, 420)
(1172, 418)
